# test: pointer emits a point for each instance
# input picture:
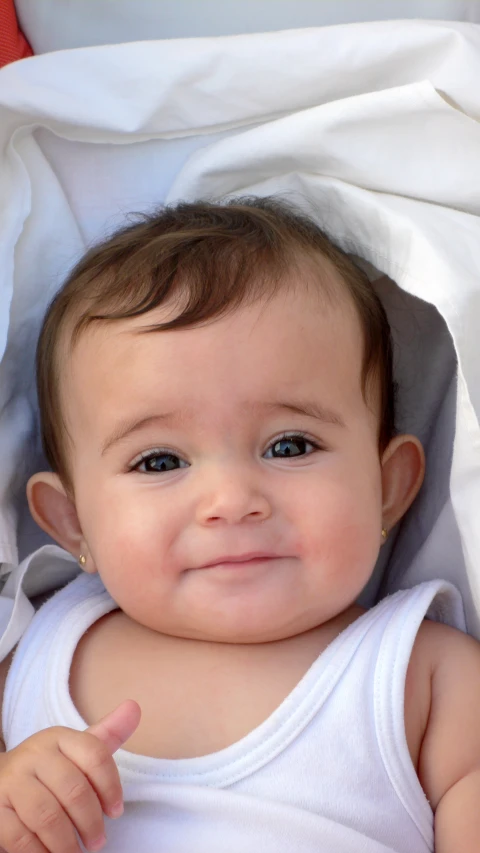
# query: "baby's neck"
(205, 648)
(196, 696)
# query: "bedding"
(56, 25)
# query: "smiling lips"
(241, 559)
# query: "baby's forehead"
(311, 294)
(286, 338)
(308, 274)
(227, 371)
(297, 298)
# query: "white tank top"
(328, 772)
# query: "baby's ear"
(403, 470)
(54, 511)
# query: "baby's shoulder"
(442, 698)
(443, 655)
(436, 642)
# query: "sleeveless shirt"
(328, 772)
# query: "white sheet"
(374, 127)
(56, 25)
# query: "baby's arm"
(449, 763)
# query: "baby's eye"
(156, 463)
(291, 445)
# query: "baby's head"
(215, 383)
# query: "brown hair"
(218, 256)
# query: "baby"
(217, 405)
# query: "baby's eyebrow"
(302, 407)
(308, 408)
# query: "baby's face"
(246, 436)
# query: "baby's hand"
(61, 780)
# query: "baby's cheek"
(345, 530)
(118, 537)
(357, 547)
(140, 538)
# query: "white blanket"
(56, 25)
(372, 127)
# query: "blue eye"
(289, 446)
(156, 462)
(286, 447)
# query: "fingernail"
(98, 844)
(116, 810)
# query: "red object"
(13, 44)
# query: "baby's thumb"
(117, 726)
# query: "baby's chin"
(249, 610)
(237, 625)
(234, 624)
(247, 604)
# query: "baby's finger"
(15, 836)
(94, 759)
(43, 815)
(77, 797)
(118, 725)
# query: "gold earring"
(82, 560)
(384, 533)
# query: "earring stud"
(384, 533)
(82, 560)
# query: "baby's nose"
(232, 494)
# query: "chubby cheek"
(341, 528)
(131, 539)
